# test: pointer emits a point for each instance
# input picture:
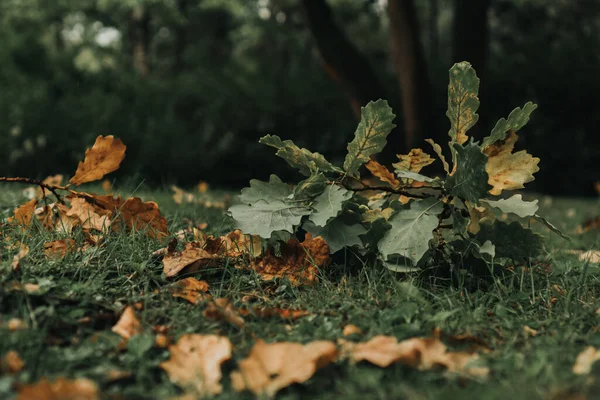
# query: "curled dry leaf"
(222, 309)
(299, 262)
(272, 367)
(63, 389)
(382, 173)
(420, 353)
(128, 325)
(104, 157)
(195, 363)
(508, 170)
(193, 257)
(58, 249)
(11, 363)
(585, 360)
(190, 289)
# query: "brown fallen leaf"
(11, 363)
(143, 216)
(351, 329)
(222, 309)
(24, 214)
(382, 173)
(590, 256)
(508, 170)
(89, 215)
(272, 367)
(270, 312)
(128, 325)
(61, 389)
(585, 360)
(211, 252)
(195, 363)
(299, 262)
(420, 353)
(23, 252)
(58, 249)
(190, 289)
(16, 324)
(104, 157)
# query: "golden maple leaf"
(195, 363)
(508, 170)
(271, 367)
(104, 157)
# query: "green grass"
(561, 305)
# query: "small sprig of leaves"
(406, 218)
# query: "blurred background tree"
(190, 85)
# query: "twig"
(395, 191)
(29, 181)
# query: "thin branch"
(29, 181)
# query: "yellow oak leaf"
(382, 173)
(508, 170)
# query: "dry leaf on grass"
(351, 329)
(270, 312)
(222, 309)
(11, 363)
(585, 360)
(88, 215)
(23, 252)
(195, 363)
(508, 170)
(58, 249)
(128, 325)
(211, 252)
(61, 389)
(299, 262)
(590, 256)
(23, 215)
(190, 289)
(420, 353)
(272, 367)
(104, 157)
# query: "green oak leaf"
(515, 205)
(462, 102)
(306, 161)
(517, 119)
(512, 240)
(329, 204)
(370, 136)
(551, 226)
(411, 230)
(263, 217)
(470, 180)
(259, 190)
(337, 233)
(310, 187)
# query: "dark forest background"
(190, 85)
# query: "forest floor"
(528, 326)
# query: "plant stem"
(51, 188)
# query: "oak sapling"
(408, 219)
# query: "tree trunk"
(471, 33)
(411, 68)
(140, 39)
(343, 62)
